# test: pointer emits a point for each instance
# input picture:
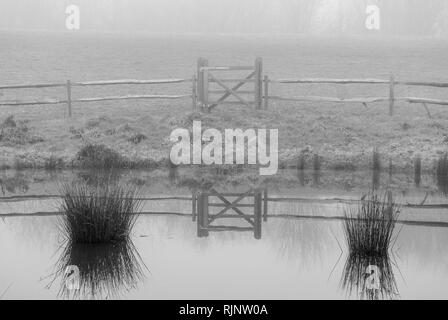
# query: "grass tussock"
(99, 156)
(105, 270)
(369, 228)
(98, 214)
(14, 133)
(358, 277)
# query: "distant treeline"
(410, 17)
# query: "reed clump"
(105, 270)
(103, 213)
(356, 276)
(369, 228)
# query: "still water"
(301, 254)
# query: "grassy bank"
(137, 135)
(140, 136)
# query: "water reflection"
(15, 184)
(442, 174)
(369, 277)
(173, 174)
(417, 171)
(106, 271)
(205, 201)
(376, 179)
(100, 177)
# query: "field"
(343, 135)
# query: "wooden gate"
(206, 75)
(205, 219)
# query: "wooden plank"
(265, 205)
(31, 103)
(205, 219)
(258, 83)
(200, 87)
(266, 92)
(128, 82)
(424, 84)
(230, 68)
(205, 87)
(334, 81)
(231, 194)
(230, 91)
(32, 86)
(233, 216)
(200, 216)
(239, 85)
(229, 228)
(221, 205)
(225, 91)
(112, 98)
(230, 103)
(194, 202)
(331, 99)
(391, 95)
(257, 213)
(129, 97)
(69, 98)
(233, 203)
(424, 100)
(232, 80)
(194, 93)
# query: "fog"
(408, 17)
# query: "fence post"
(266, 92)
(69, 98)
(265, 206)
(194, 204)
(194, 93)
(391, 95)
(257, 214)
(205, 90)
(205, 220)
(200, 214)
(202, 62)
(258, 83)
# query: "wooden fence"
(201, 90)
(391, 98)
(69, 85)
(201, 206)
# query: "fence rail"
(200, 89)
(392, 99)
(69, 85)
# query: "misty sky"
(413, 17)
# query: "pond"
(301, 254)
